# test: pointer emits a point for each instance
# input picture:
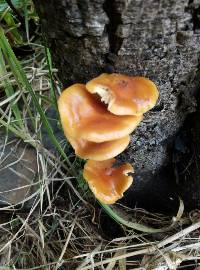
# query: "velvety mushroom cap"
(84, 116)
(124, 95)
(99, 151)
(107, 182)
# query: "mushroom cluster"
(97, 119)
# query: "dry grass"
(61, 234)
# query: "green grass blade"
(52, 87)
(17, 37)
(129, 224)
(139, 227)
(25, 7)
(10, 91)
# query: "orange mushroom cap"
(107, 182)
(124, 95)
(85, 117)
(99, 151)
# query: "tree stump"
(158, 39)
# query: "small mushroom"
(84, 117)
(125, 95)
(99, 151)
(107, 182)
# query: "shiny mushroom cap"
(107, 182)
(83, 116)
(99, 151)
(125, 95)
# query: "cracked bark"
(156, 38)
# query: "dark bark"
(156, 38)
(187, 160)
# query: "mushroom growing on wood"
(107, 181)
(85, 117)
(124, 95)
(98, 128)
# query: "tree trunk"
(158, 39)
